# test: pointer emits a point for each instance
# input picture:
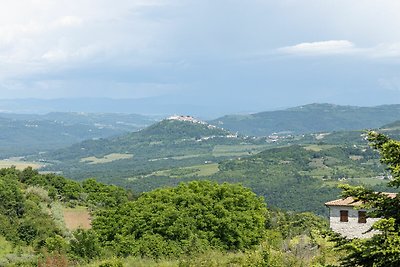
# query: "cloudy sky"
(238, 55)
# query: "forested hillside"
(310, 118)
(192, 190)
(22, 134)
(167, 144)
(284, 171)
(299, 178)
(192, 224)
(32, 220)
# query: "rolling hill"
(309, 119)
(174, 142)
(22, 134)
(177, 149)
(299, 178)
(174, 150)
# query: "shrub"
(187, 219)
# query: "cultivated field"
(19, 164)
(318, 148)
(107, 158)
(236, 150)
(197, 170)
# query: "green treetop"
(383, 249)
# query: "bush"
(111, 263)
(84, 244)
(188, 219)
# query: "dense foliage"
(22, 219)
(383, 249)
(298, 178)
(197, 223)
(29, 211)
(189, 218)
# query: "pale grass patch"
(317, 148)
(106, 159)
(76, 218)
(19, 164)
(198, 170)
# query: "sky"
(232, 56)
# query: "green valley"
(145, 188)
(171, 143)
(284, 170)
(25, 134)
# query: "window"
(344, 215)
(362, 216)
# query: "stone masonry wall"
(352, 228)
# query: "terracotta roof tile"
(349, 201)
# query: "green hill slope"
(25, 134)
(299, 178)
(169, 143)
(40, 213)
(172, 151)
(310, 118)
(40, 216)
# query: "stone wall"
(352, 228)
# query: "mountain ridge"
(23, 134)
(310, 118)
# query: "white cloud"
(386, 51)
(381, 52)
(130, 40)
(320, 48)
(41, 36)
(68, 21)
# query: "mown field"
(19, 164)
(76, 218)
(106, 159)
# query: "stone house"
(347, 220)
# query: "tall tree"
(383, 249)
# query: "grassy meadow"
(19, 164)
(106, 159)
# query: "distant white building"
(348, 221)
(184, 118)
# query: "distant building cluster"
(275, 137)
(190, 119)
(185, 118)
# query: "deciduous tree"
(189, 218)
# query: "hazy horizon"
(210, 57)
(148, 106)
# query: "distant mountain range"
(310, 118)
(22, 134)
(314, 148)
(161, 106)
